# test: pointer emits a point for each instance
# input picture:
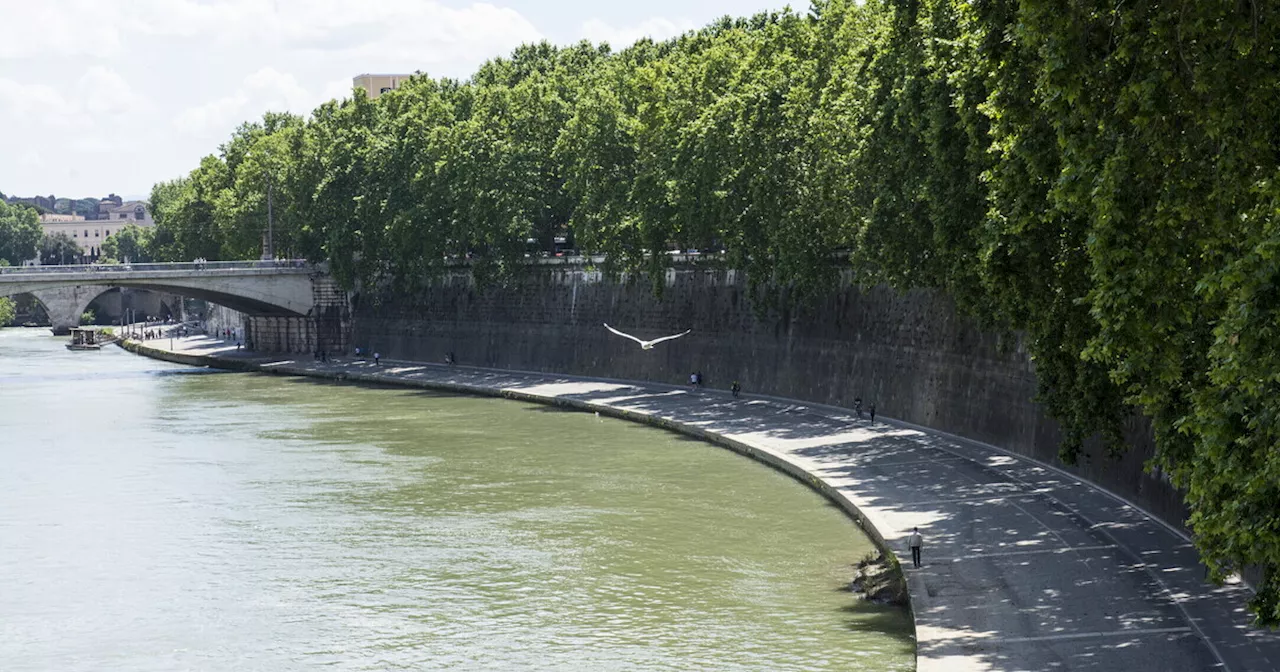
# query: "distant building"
(135, 212)
(90, 208)
(376, 85)
(50, 218)
(88, 234)
(47, 203)
(106, 204)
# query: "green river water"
(157, 517)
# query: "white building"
(376, 85)
(89, 234)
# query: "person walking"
(376, 359)
(857, 406)
(735, 388)
(915, 541)
(873, 413)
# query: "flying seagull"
(646, 345)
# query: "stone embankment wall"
(909, 354)
(220, 318)
(327, 326)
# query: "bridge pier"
(65, 305)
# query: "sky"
(112, 96)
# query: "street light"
(270, 252)
(269, 247)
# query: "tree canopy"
(57, 249)
(20, 233)
(129, 244)
(1102, 176)
(7, 311)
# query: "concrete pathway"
(1025, 567)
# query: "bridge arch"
(253, 288)
(18, 299)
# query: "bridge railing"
(190, 266)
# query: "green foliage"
(7, 309)
(88, 317)
(1101, 177)
(130, 244)
(19, 233)
(58, 249)
(85, 207)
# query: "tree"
(130, 244)
(57, 249)
(186, 214)
(85, 207)
(8, 310)
(19, 233)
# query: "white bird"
(647, 345)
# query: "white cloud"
(52, 132)
(336, 88)
(105, 92)
(97, 94)
(23, 102)
(267, 90)
(100, 93)
(31, 159)
(81, 80)
(658, 28)
(395, 34)
(62, 28)
(334, 39)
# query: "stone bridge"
(255, 288)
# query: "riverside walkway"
(1025, 567)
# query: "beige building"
(376, 85)
(89, 234)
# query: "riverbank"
(1025, 567)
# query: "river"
(158, 517)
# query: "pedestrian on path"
(736, 389)
(915, 541)
(873, 413)
(377, 357)
(857, 406)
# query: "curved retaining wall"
(911, 354)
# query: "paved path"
(1025, 567)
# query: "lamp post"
(268, 245)
(270, 252)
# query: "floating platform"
(86, 339)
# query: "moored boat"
(85, 339)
